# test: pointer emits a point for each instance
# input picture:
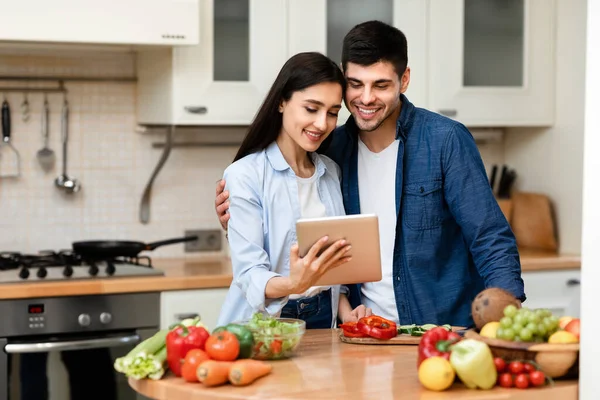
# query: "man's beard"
(370, 126)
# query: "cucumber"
(406, 328)
(448, 327)
(427, 327)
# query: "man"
(443, 236)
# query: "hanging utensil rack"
(60, 82)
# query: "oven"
(66, 346)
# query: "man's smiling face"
(373, 93)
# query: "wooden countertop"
(535, 260)
(325, 368)
(180, 274)
(209, 272)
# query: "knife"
(493, 176)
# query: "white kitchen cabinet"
(222, 80)
(180, 304)
(491, 62)
(330, 21)
(559, 291)
(131, 22)
(486, 63)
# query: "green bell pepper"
(474, 364)
(244, 336)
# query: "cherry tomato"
(515, 367)
(505, 380)
(500, 364)
(528, 368)
(192, 360)
(276, 346)
(223, 346)
(522, 381)
(537, 378)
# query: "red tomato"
(573, 327)
(528, 368)
(516, 367)
(537, 378)
(223, 346)
(505, 380)
(500, 364)
(192, 360)
(276, 346)
(522, 381)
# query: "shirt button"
(302, 305)
(421, 189)
(398, 278)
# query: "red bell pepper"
(436, 343)
(377, 327)
(350, 329)
(182, 339)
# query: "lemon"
(563, 337)
(489, 330)
(436, 373)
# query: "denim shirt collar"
(403, 123)
(278, 162)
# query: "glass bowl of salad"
(274, 338)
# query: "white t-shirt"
(377, 195)
(311, 206)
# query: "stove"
(68, 265)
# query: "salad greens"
(273, 338)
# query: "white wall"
(112, 161)
(590, 281)
(549, 161)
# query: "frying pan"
(121, 248)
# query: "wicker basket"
(555, 359)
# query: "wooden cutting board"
(403, 339)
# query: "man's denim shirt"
(452, 240)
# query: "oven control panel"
(64, 315)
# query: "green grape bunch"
(525, 325)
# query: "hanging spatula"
(10, 166)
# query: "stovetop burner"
(49, 265)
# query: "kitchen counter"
(208, 272)
(535, 260)
(326, 368)
(180, 274)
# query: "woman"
(276, 179)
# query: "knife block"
(531, 218)
(506, 207)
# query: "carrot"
(244, 372)
(213, 373)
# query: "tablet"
(360, 230)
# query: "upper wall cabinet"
(330, 20)
(485, 63)
(130, 22)
(224, 79)
(491, 62)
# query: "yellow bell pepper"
(474, 364)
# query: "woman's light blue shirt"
(264, 208)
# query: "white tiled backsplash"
(112, 161)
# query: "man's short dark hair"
(373, 41)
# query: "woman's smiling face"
(310, 115)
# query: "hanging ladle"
(64, 181)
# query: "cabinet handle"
(448, 113)
(573, 282)
(196, 109)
